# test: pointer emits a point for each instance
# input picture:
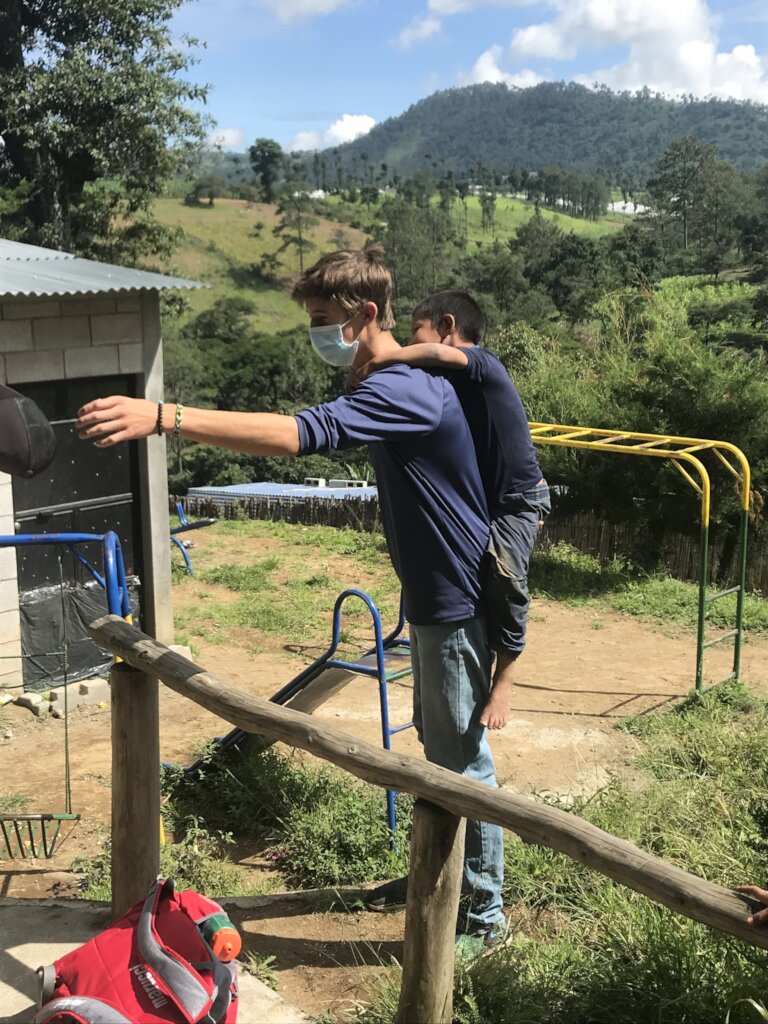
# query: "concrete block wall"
(52, 339)
(76, 337)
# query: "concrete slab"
(35, 932)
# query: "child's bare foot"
(496, 712)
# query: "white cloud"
(418, 31)
(227, 138)
(462, 6)
(671, 46)
(347, 128)
(292, 10)
(486, 69)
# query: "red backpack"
(152, 966)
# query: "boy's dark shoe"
(389, 896)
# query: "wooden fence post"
(135, 786)
(434, 887)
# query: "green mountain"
(569, 125)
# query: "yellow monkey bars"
(684, 454)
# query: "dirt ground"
(581, 674)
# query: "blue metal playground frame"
(112, 580)
(372, 664)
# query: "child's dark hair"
(350, 278)
(470, 319)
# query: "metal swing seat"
(32, 836)
(38, 836)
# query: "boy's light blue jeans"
(451, 683)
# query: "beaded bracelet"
(159, 421)
(177, 421)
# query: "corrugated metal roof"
(29, 271)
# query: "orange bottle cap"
(226, 944)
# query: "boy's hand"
(759, 896)
(108, 421)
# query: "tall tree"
(94, 118)
(677, 183)
(267, 160)
(295, 210)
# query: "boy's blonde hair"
(350, 278)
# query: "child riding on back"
(447, 331)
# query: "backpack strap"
(84, 1009)
(182, 982)
(46, 984)
(225, 977)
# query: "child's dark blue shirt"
(499, 425)
(431, 496)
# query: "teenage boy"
(447, 331)
(433, 510)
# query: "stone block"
(15, 335)
(94, 306)
(128, 304)
(9, 595)
(97, 689)
(23, 367)
(92, 691)
(117, 329)
(91, 362)
(132, 358)
(62, 332)
(7, 559)
(9, 626)
(22, 309)
(32, 702)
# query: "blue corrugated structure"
(279, 492)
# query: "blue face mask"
(328, 342)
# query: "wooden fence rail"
(546, 826)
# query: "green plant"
(13, 802)
(319, 828)
(197, 862)
(260, 967)
(343, 838)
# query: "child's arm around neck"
(429, 356)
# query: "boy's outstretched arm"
(427, 356)
(108, 421)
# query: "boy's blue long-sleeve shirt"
(431, 497)
(499, 426)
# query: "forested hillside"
(554, 123)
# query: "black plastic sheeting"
(55, 620)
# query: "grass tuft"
(319, 827)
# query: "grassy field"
(588, 951)
(511, 214)
(224, 242)
(221, 245)
(289, 592)
(585, 950)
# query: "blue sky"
(312, 73)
